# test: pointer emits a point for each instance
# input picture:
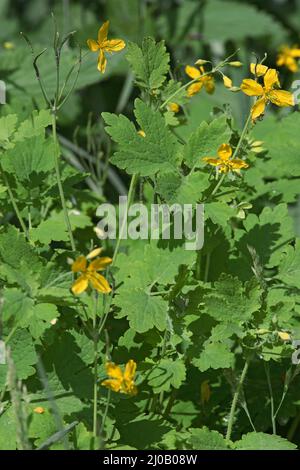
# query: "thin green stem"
(131, 191)
(273, 417)
(105, 412)
(294, 427)
(235, 400)
(207, 266)
(59, 182)
(95, 341)
(14, 204)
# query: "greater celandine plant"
(161, 328)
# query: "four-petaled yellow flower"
(119, 381)
(89, 273)
(207, 81)
(266, 92)
(287, 56)
(223, 163)
(104, 45)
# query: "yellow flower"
(89, 273)
(104, 45)
(207, 81)
(142, 133)
(174, 107)
(224, 163)
(39, 410)
(266, 92)
(287, 56)
(119, 381)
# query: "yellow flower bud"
(201, 62)
(235, 63)
(284, 335)
(227, 81)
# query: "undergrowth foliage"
(149, 345)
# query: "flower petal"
(237, 164)
(212, 161)
(79, 264)
(114, 45)
(194, 88)
(130, 369)
(129, 387)
(251, 87)
(295, 52)
(113, 384)
(258, 69)
(93, 45)
(192, 72)
(99, 283)
(225, 152)
(100, 264)
(291, 64)
(80, 285)
(113, 371)
(102, 33)
(102, 62)
(281, 98)
(271, 79)
(258, 108)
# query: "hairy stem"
(14, 204)
(131, 191)
(235, 400)
(59, 182)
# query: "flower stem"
(14, 204)
(235, 400)
(95, 398)
(59, 182)
(131, 191)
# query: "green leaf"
(7, 429)
(205, 439)
(230, 301)
(289, 268)
(23, 353)
(7, 128)
(176, 188)
(214, 356)
(143, 311)
(137, 154)
(33, 156)
(283, 148)
(205, 141)
(262, 441)
(34, 126)
(166, 374)
(150, 63)
(220, 213)
(268, 234)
